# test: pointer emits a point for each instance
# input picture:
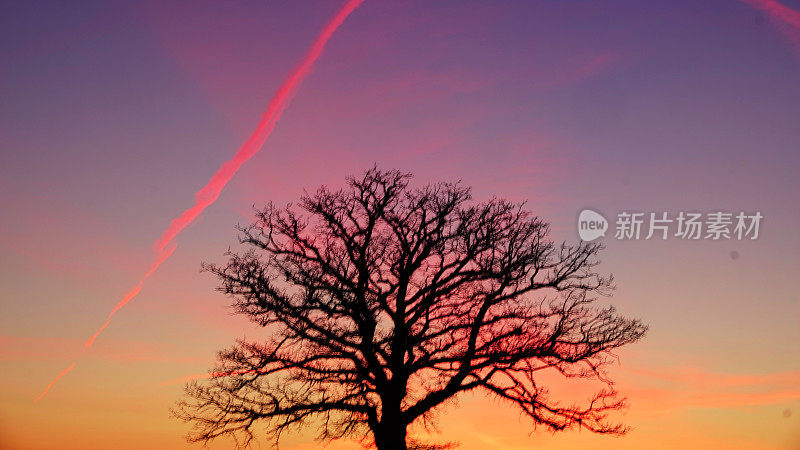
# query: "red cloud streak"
(786, 19)
(209, 193)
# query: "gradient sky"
(115, 113)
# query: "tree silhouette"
(381, 302)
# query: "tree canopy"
(381, 301)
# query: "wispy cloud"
(668, 389)
(26, 348)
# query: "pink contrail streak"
(209, 193)
(786, 19)
(127, 298)
(132, 293)
(63, 372)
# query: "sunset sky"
(114, 114)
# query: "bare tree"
(383, 301)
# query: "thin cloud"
(668, 389)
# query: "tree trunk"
(390, 436)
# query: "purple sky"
(115, 113)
